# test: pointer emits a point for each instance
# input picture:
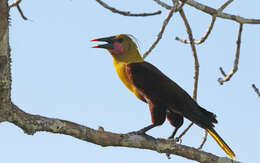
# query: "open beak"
(109, 40)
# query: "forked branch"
(165, 23)
(209, 29)
(227, 77)
(17, 5)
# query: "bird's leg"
(173, 133)
(143, 130)
(174, 140)
(158, 114)
(175, 120)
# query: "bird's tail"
(221, 143)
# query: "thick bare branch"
(34, 123)
(256, 90)
(212, 11)
(235, 66)
(126, 13)
(5, 60)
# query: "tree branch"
(165, 23)
(212, 11)
(235, 66)
(159, 36)
(5, 60)
(194, 52)
(126, 13)
(204, 37)
(16, 4)
(184, 132)
(256, 90)
(196, 64)
(165, 5)
(34, 123)
(204, 139)
(208, 31)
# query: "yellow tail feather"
(221, 143)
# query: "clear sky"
(56, 73)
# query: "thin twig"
(209, 29)
(168, 7)
(180, 5)
(175, 4)
(235, 66)
(126, 13)
(196, 63)
(204, 37)
(159, 36)
(184, 132)
(225, 5)
(194, 52)
(165, 22)
(256, 90)
(204, 139)
(21, 12)
(17, 5)
(222, 71)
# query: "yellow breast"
(121, 72)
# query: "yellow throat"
(120, 61)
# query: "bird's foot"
(178, 139)
(143, 130)
(175, 140)
(168, 155)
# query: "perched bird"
(164, 97)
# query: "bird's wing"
(159, 88)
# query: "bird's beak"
(109, 40)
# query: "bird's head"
(121, 47)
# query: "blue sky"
(56, 73)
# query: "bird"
(165, 98)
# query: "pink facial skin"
(118, 48)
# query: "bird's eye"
(120, 40)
